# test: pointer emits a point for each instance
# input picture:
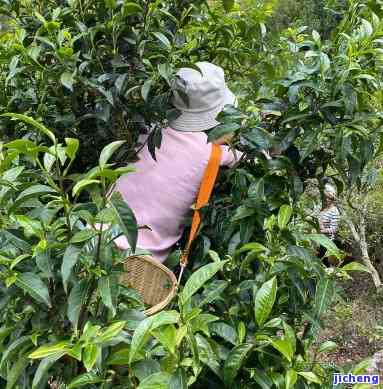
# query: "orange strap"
(204, 194)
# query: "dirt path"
(355, 323)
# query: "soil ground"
(355, 322)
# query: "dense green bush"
(94, 70)
(255, 291)
(320, 15)
(64, 315)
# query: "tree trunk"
(364, 248)
(360, 239)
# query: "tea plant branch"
(64, 198)
(47, 176)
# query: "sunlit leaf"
(85, 380)
(199, 278)
(32, 122)
(264, 300)
(108, 151)
(34, 286)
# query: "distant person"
(329, 219)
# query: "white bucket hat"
(200, 97)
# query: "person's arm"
(231, 156)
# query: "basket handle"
(203, 197)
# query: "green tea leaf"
(76, 300)
(126, 219)
(15, 372)
(82, 184)
(167, 337)
(44, 262)
(67, 80)
(105, 289)
(108, 151)
(264, 300)
(310, 377)
(253, 246)
(41, 374)
(225, 331)
(164, 69)
(291, 378)
(83, 236)
(284, 216)
(32, 284)
(290, 336)
(284, 346)
(69, 261)
(367, 28)
(146, 368)
(76, 352)
(72, 147)
(119, 358)
(90, 355)
(261, 378)
(33, 191)
(327, 346)
(131, 8)
(111, 332)
(234, 362)
(12, 348)
(362, 366)
(19, 259)
(221, 130)
(50, 350)
(178, 380)
(241, 331)
(5, 332)
(155, 381)
(142, 333)
(163, 39)
(259, 137)
(85, 379)
(199, 278)
(32, 122)
(355, 266)
(243, 212)
(145, 89)
(324, 241)
(214, 293)
(49, 161)
(200, 323)
(323, 296)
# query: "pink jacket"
(161, 192)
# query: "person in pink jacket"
(161, 192)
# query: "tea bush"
(255, 291)
(94, 70)
(65, 316)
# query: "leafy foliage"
(94, 70)
(255, 291)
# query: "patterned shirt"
(328, 221)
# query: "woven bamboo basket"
(155, 282)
